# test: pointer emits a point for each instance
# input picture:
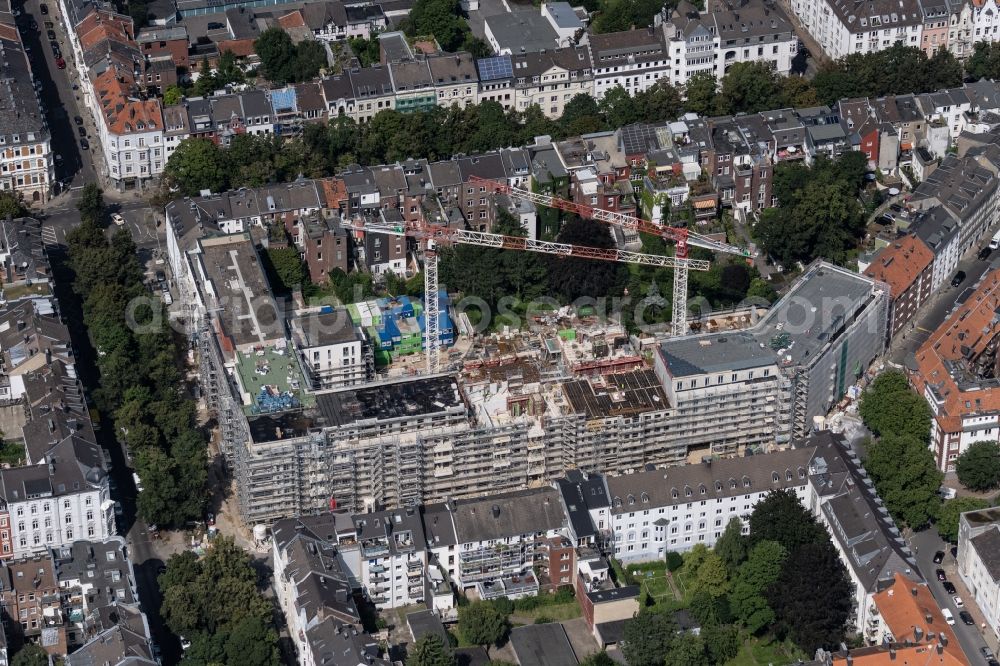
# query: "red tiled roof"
(901, 263)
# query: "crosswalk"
(50, 236)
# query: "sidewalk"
(950, 567)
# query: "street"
(75, 167)
(925, 544)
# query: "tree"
(285, 269)
(206, 84)
(906, 478)
(813, 614)
(889, 406)
(196, 165)
(310, 58)
(749, 87)
(252, 641)
(687, 650)
(366, 50)
(91, 203)
(430, 650)
(572, 277)
(721, 641)
(747, 601)
(172, 95)
(618, 15)
(700, 93)
(481, 624)
(277, 55)
(732, 545)
(984, 62)
(947, 520)
(30, 655)
(12, 205)
(597, 659)
(712, 576)
(647, 638)
(441, 19)
(581, 115)
(978, 467)
(780, 517)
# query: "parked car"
(895, 208)
(84, 144)
(78, 120)
(167, 298)
(958, 601)
(119, 511)
(940, 574)
(948, 586)
(948, 617)
(958, 279)
(58, 158)
(210, 519)
(886, 218)
(992, 662)
(82, 131)
(33, 25)
(49, 25)
(161, 277)
(51, 34)
(43, 8)
(60, 63)
(967, 618)
(939, 557)
(987, 653)
(985, 252)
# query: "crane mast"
(437, 235)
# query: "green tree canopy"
(196, 165)
(430, 650)
(30, 655)
(890, 406)
(813, 596)
(732, 545)
(441, 19)
(906, 478)
(482, 624)
(978, 467)
(648, 638)
(947, 521)
(781, 518)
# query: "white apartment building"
(393, 557)
(715, 40)
(979, 561)
(60, 501)
(985, 21)
(676, 508)
(331, 349)
(632, 59)
(842, 27)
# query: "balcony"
(376, 569)
(415, 564)
(370, 549)
(414, 573)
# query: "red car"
(60, 63)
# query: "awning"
(704, 203)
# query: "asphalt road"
(925, 544)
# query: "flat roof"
(238, 288)
(319, 329)
(396, 400)
(274, 381)
(716, 352)
(542, 645)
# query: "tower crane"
(437, 235)
(680, 236)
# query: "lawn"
(766, 651)
(12, 453)
(554, 612)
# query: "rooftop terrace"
(272, 381)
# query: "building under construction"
(519, 410)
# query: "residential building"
(30, 595)
(676, 508)
(842, 28)
(569, 27)
(978, 564)
(952, 373)
(520, 33)
(934, 33)
(906, 612)
(551, 78)
(454, 78)
(633, 59)
(906, 266)
(845, 501)
(334, 353)
(26, 155)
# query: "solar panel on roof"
(497, 67)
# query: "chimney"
(918, 634)
(892, 654)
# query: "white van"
(995, 241)
(948, 617)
